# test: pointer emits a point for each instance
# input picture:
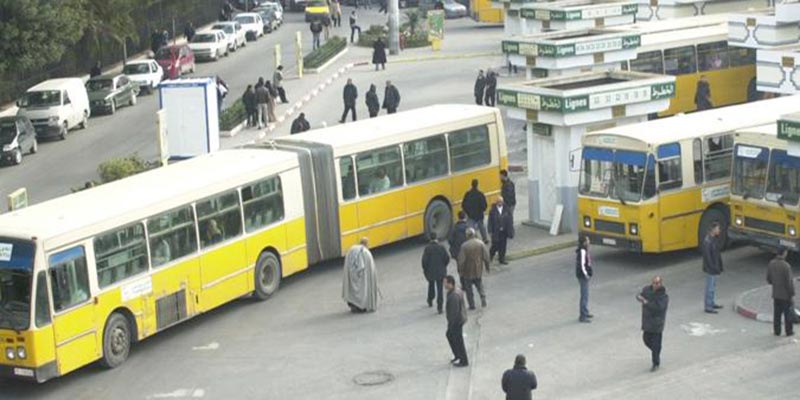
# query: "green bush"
(118, 168)
(232, 116)
(328, 50)
(367, 38)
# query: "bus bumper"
(614, 241)
(763, 240)
(39, 374)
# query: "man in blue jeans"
(712, 266)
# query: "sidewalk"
(756, 304)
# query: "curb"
(748, 313)
(445, 57)
(327, 63)
(537, 251)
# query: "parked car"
(297, 5)
(234, 32)
(176, 60)
(145, 73)
(268, 16)
(56, 106)
(278, 7)
(17, 136)
(317, 10)
(452, 9)
(108, 92)
(246, 5)
(210, 45)
(252, 24)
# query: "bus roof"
(371, 133)
(139, 196)
(680, 32)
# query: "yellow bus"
(765, 188)
(84, 276)
(689, 48)
(657, 186)
(484, 11)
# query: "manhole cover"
(373, 378)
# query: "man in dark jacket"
(379, 54)
(189, 31)
(779, 275)
(508, 190)
(350, 95)
(373, 104)
(456, 318)
(480, 85)
(300, 124)
(702, 95)
(262, 103)
(473, 257)
(491, 88)
(474, 204)
(434, 266)
(654, 301)
(316, 29)
(96, 70)
(391, 98)
(458, 235)
(518, 382)
(712, 266)
(249, 100)
(501, 228)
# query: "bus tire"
(116, 341)
(438, 219)
(267, 276)
(709, 217)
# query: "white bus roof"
(370, 133)
(679, 32)
(103, 207)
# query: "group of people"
(260, 101)
(485, 90)
(391, 100)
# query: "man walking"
(702, 95)
(350, 94)
(491, 88)
(712, 266)
(501, 227)
(472, 259)
(480, 85)
(508, 191)
(354, 25)
(434, 266)
(300, 124)
(262, 103)
(249, 101)
(316, 29)
(458, 235)
(779, 275)
(277, 81)
(456, 318)
(474, 204)
(391, 98)
(373, 104)
(518, 382)
(654, 301)
(360, 282)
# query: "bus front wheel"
(438, 219)
(116, 341)
(267, 276)
(709, 217)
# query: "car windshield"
(98, 85)
(616, 174)
(783, 181)
(16, 270)
(45, 98)
(224, 28)
(750, 171)
(166, 53)
(204, 38)
(135, 69)
(246, 19)
(8, 131)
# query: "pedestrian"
(326, 26)
(262, 103)
(337, 13)
(654, 301)
(96, 70)
(434, 267)
(360, 283)
(474, 204)
(271, 107)
(712, 266)
(456, 318)
(349, 95)
(508, 191)
(277, 81)
(189, 31)
(702, 95)
(779, 275)
(480, 86)
(250, 106)
(458, 235)
(354, 25)
(391, 98)
(584, 272)
(373, 104)
(501, 228)
(222, 92)
(383, 8)
(228, 10)
(155, 41)
(518, 382)
(300, 124)
(164, 38)
(473, 257)
(491, 88)
(379, 54)
(316, 28)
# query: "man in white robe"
(360, 283)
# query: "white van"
(56, 106)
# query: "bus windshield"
(616, 174)
(783, 183)
(16, 272)
(750, 171)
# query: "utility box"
(192, 116)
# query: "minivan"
(55, 106)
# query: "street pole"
(394, 26)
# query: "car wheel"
(64, 129)
(34, 146)
(113, 108)
(85, 122)
(133, 99)
(116, 341)
(17, 157)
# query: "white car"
(252, 24)
(209, 45)
(278, 9)
(234, 33)
(145, 73)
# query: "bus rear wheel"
(438, 219)
(709, 217)
(267, 276)
(116, 341)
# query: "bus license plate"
(610, 242)
(788, 244)
(23, 372)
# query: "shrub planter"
(327, 54)
(232, 119)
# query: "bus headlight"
(587, 222)
(10, 353)
(21, 353)
(792, 231)
(634, 229)
(738, 220)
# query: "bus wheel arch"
(119, 333)
(268, 274)
(714, 213)
(438, 218)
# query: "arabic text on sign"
(527, 49)
(530, 101)
(598, 46)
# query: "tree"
(113, 19)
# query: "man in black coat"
(480, 85)
(456, 318)
(654, 301)
(434, 266)
(391, 98)
(189, 31)
(96, 70)
(379, 54)
(501, 228)
(474, 204)
(458, 235)
(491, 88)
(508, 191)
(712, 266)
(300, 124)
(350, 95)
(518, 382)
(250, 107)
(373, 104)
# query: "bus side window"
(69, 278)
(697, 157)
(649, 61)
(680, 61)
(172, 235)
(42, 301)
(650, 179)
(669, 167)
(379, 170)
(120, 254)
(219, 218)
(717, 158)
(348, 178)
(263, 203)
(469, 148)
(712, 56)
(425, 158)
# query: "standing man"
(277, 81)
(712, 266)
(518, 382)
(316, 29)
(434, 266)
(779, 275)
(456, 318)
(391, 98)
(349, 95)
(583, 271)
(458, 235)
(354, 25)
(188, 31)
(249, 101)
(702, 95)
(337, 13)
(300, 124)
(474, 204)
(480, 85)
(491, 88)
(654, 301)
(508, 191)
(472, 259)
(360, 283)
(501, 227)
(373, 104)
(262, 103)
(379, 54)
(96, 70)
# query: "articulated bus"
(658, 186)
(689, 48)
(765, 189)
(85, 275)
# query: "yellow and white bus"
(85, 275)
(657, 186)
(485, 11)
(765, 188)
